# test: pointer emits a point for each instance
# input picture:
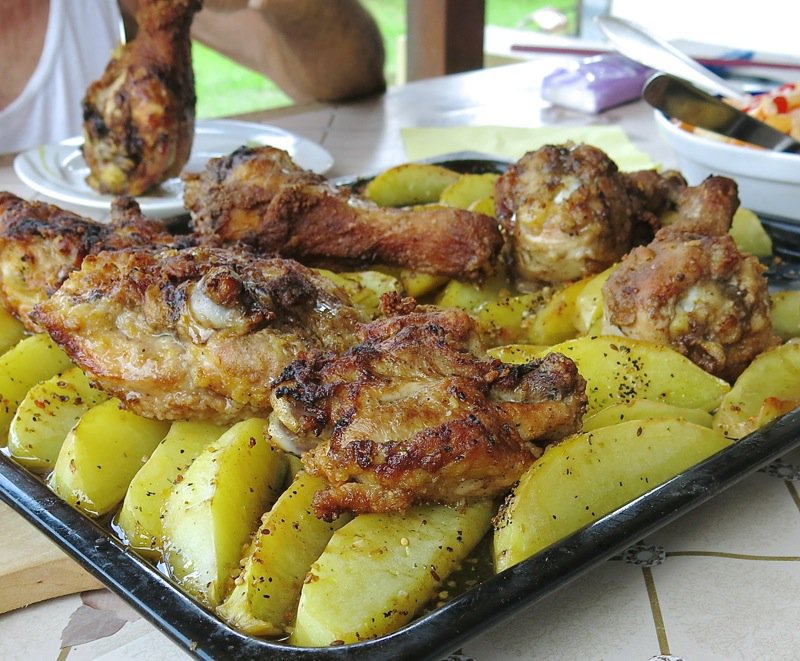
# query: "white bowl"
(769, 182)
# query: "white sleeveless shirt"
(81, 35)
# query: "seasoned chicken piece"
(412, 414)
(571, 213)
(196, 333)
(138, 118)
(259, 196)
(41, 244)
(692, 289)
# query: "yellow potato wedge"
(379, 569)
(516, 354)
(101, 454)
(645, 409)
(467, 296)
(139, 518)
(768, 387)
(591, 474)
(289, 538)
(409, 184)
(589, 302)
(503, 321)
(619, 369)
(485, 206)
(469, 189)
(211, 513)
(749, 234)
(11, 330)
(30, 361)
(556, 321)
(46, 415)
(785, 313)
(365, 288)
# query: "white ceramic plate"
(59, 171)
(769, 182)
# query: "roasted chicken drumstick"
(569, 212)
(414, 414)
(259, 196)
(41, 244)
(197, 333)
(692, 289)
(138, 118)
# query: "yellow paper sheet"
(512, 142)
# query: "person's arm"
(325, 50)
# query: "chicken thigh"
(414, 414)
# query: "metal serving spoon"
(636, 43)
(680, 99)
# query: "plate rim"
(28, 169)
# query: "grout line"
(655, 608)
(735, 556)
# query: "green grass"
(226, 88)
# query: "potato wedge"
(749, 234)
(211, 513)
(503, 321)
(365, 288)
(556, 321)
(516, 354)
(344, 601)
(409, 184)
(644, 409)
(30, 361)
(139, 518)
(289, 538)
(11, 330)
(619, 369)
(785, 313)
(589, 302)
(46, 415)
(591, 474)
(768, 387)
(101, 454)
(485, 206)
(469, 189)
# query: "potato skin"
(591, 474)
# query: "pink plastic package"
(596, 83)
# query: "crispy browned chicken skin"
(413, 414)
(138, 118)
(692, 289)
(259, 196)
(41, 244)
(196, 333)
(570, 213)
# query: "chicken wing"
(195, 333)
(138, 118)
(413, 414)
(570, 213)
(259, 196)
(41, 244)
(692, 289)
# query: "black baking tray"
(432, 636)
(446, 628)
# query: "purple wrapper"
(596, 83)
